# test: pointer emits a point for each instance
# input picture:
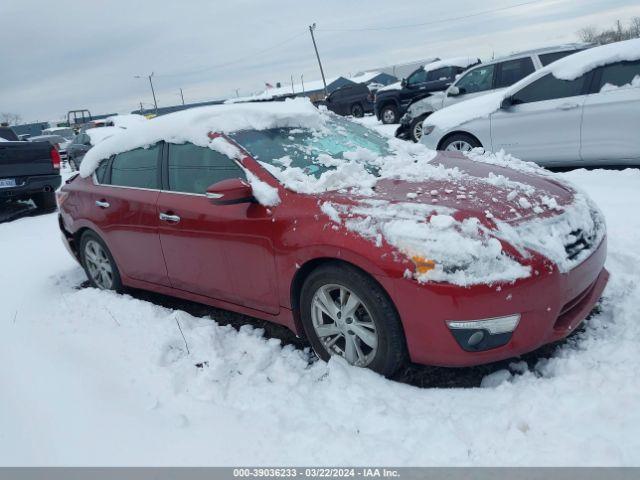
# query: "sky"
(64, 55)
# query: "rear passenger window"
(101, 171)
(439, 74)
(547, 58)
(620, 75)
(512, 71)
(193, 169)
(136, 168)
(549, 88)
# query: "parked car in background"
(7, 133)
(28, 170)
(581, 110)
(376, 278)
(353, 99)
(392, 101)
(481, 80)
(77, 148)
(60, 143)
(65, 132)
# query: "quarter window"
(479, 79)
(549, 88)
(619, 75)
(193, 169)
(547, 58)
(512, 71)
(136, 168)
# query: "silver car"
(486, 78)
(554, 117)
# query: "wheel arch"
(457, 132)
(307, 268)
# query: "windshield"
(314, 151)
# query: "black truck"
(28, 170)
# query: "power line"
(432, 22)
(237, 61)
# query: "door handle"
(169, 218)
(102, 204)
(568, 106)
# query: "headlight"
(427, 129)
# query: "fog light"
(492, 325)
(483, 334)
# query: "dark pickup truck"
(28, 170)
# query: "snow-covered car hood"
(477, 222)
(392, 86)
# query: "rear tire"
(460, 142)
(45, 200)
(357, 110)
(98, 263)
(344, 312)
(389, 114)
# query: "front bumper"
(551, 305)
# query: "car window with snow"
(136, 168)
(619, 75)
(549, 88)
(193, 169)
(477, 80)
(313, 151)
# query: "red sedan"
(374, 253)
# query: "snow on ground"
(96, 378)
(371, 121)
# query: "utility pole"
(292, 90)
(182, 96)
(237, 93)
(302, 82)
(324, 82)
(153, 92)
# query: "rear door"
(611, 118)
(124, 208)
(543, 124)
(219, 251)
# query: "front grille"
(579, 241)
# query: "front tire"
(346, 313)
(460, 142)
(98, 263)
(415, 128)
(389, 114)
(357, 110)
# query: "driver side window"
(477, 80)
(549, 88)
(419, 76)
(193, 169)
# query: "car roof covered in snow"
(194, 125)
(462, 62)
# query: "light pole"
(324, 82)
(155, 103)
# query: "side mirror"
(229, 192)
(453, 91)
(403, 82)
(506, 103)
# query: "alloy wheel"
(98, 265)
(459, 146)
(417, 131)
(388, 116)
(344, 325)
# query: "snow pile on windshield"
(194, 125)
(462, 62)
(567, 68)
(98, 134)
(126, 120)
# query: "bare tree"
(10, 118)
(619, 32)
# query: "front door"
(219, 251)
(543, 123)
(124, 209)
